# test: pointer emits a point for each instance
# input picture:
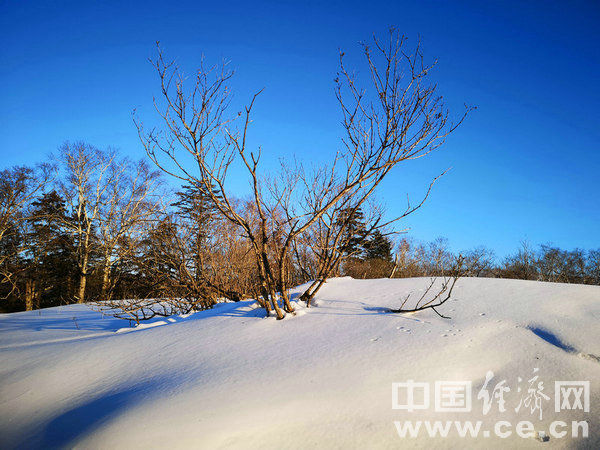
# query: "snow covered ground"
(229, 378)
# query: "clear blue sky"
(525, 165)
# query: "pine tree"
(378, 246)
(198, 215)
(354, 232)
(157, 260)
(51, 251)
(196, 209)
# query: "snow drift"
(230, 378)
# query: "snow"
(230, 378)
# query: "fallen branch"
(439, 299)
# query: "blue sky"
(525, 165)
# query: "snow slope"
(229, 378)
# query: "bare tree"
(130, 202)
(522, 265)
(593, 267)
(399, 119)
(85, 185)
(410, 259)
(479, 262)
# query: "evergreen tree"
(51, 250)
(11, 266)
(195, 208)
(354, 232)
(197, 215)
(150, 269)
(378, 246)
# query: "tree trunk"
(396, 261)
(105, 280)
(274, 303)
(287, 306)
(310, 292)
(83, 274)
(29, 294)
(267, 286)
(81, 290)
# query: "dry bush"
(139, 310)
(369, 268)
(438, 291)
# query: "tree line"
(94, 226)
(418, 259)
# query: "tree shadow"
(378, 309)
(65, 430)
(243, 308)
